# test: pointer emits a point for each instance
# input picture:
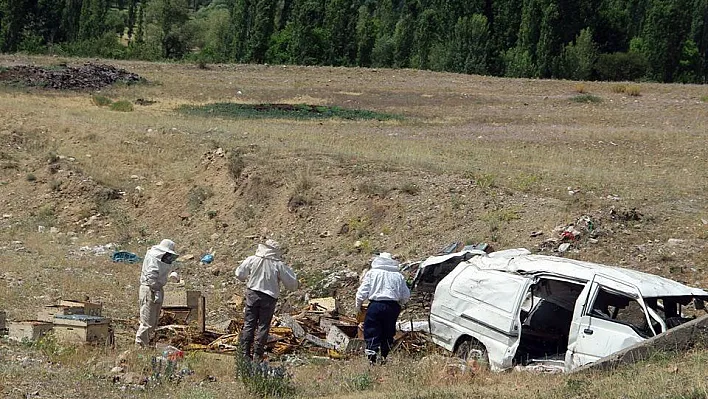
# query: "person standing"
(263, 273)
(157, 265)
(386, 290)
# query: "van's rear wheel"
(474, 353)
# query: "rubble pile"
(318, 330)
(86, 77)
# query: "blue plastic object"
(208, 258)
(125, 257)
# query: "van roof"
(521, 261)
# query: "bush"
(101, 101)
(587, 98)
(633, 90)
(263, 380)
(621, 66)
(122, 106)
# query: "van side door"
(610, 315)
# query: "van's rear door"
(489, 299)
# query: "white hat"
(270, 243)
(167, 246)
(385, 255)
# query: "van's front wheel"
(474, 353)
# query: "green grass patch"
(283, 111)
(587, 98)
(704, 99)
(101, 101)
(122, 106)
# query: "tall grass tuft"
(263, 380)
(122, 106)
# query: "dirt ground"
(510, 163)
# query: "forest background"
(650, 40)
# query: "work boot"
(372, 359)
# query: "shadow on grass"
(283, 111)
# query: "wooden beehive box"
(91, 309)
(181, 298)
(344, 338)
(31, 330)
(83, 329)
(48, 312)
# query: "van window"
(621, 309)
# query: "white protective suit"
(383, 282)
(265, 270)
(152, 279)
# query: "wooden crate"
(83, 329)
(31, 330)
(91, 309)
(48, 312)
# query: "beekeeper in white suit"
(156, 268)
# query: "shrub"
(704, 99)
(633, 90)
(373, 189)
(587, 98)
(101, 101)
(31, 177)
(619, 88)
(236, 163)
(410, 188)
(122, 106)
(197, 196)
(263, 380)
(361, 382)
(621, 66)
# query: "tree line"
(658, 40)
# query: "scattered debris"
(125, 257)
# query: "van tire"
(473, 351)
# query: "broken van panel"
(435, 268)
(513, 308)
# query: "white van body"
(526, 309)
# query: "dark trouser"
(380, 327)
(258, 315)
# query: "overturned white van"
(511, 308)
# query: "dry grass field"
(473, 159)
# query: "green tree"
(666, 28)
(14, 16)
(261, 31)
(92, 22)
(578, 58)
(548, 45)
(308, 37)
(240, 17)
(132, 15)
(403, 41)
(166, 20)
(365, 36)
(340, 31)
(425, 36)
(699, 35)
(469, 47)
(70, 19)
(518, 63)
